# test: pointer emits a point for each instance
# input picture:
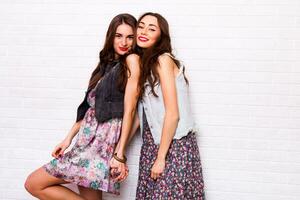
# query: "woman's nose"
(124, 42)
(144, 31)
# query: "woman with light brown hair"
(106, 112)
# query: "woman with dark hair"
(170, 165)
(106, 112)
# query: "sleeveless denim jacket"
(109, 102)
(155, 110)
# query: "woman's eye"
(140, 27)
(151, 29)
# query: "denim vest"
(109, 100)
(155, 110)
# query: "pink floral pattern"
(87, 163)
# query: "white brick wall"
(242, 59)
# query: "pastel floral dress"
(87, 163)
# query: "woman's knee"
(31, 186)
(34, 182)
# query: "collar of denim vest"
(111, 65)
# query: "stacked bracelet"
(120, 159)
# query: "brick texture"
(242, 59)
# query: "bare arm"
(62, 146)
(168, 86)
(74, 130)
(171, 118)
(130, 103)
(134, 127)
(129, 125)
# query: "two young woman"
(170, 166)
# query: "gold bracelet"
(120, 159)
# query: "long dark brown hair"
(149, 56)
(107, 54)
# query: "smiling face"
(148, 31)
(123, 39)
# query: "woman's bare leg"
(46, 187)
(90, 194)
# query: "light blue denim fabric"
(155, 110)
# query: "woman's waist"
(186, 138)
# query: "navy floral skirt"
(182, 177)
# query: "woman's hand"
(119, 171)
(158, 168)
(60, 148)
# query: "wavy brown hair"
(107, 54)
(149, 56)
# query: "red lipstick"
(143, 39)
(123, 48)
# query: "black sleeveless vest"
(109, 102)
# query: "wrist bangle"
(120, 159)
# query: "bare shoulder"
(165, 62)
(133, 63)
(132, 58)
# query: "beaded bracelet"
(120, 159)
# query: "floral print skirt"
(182, 177)
(87, 163)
